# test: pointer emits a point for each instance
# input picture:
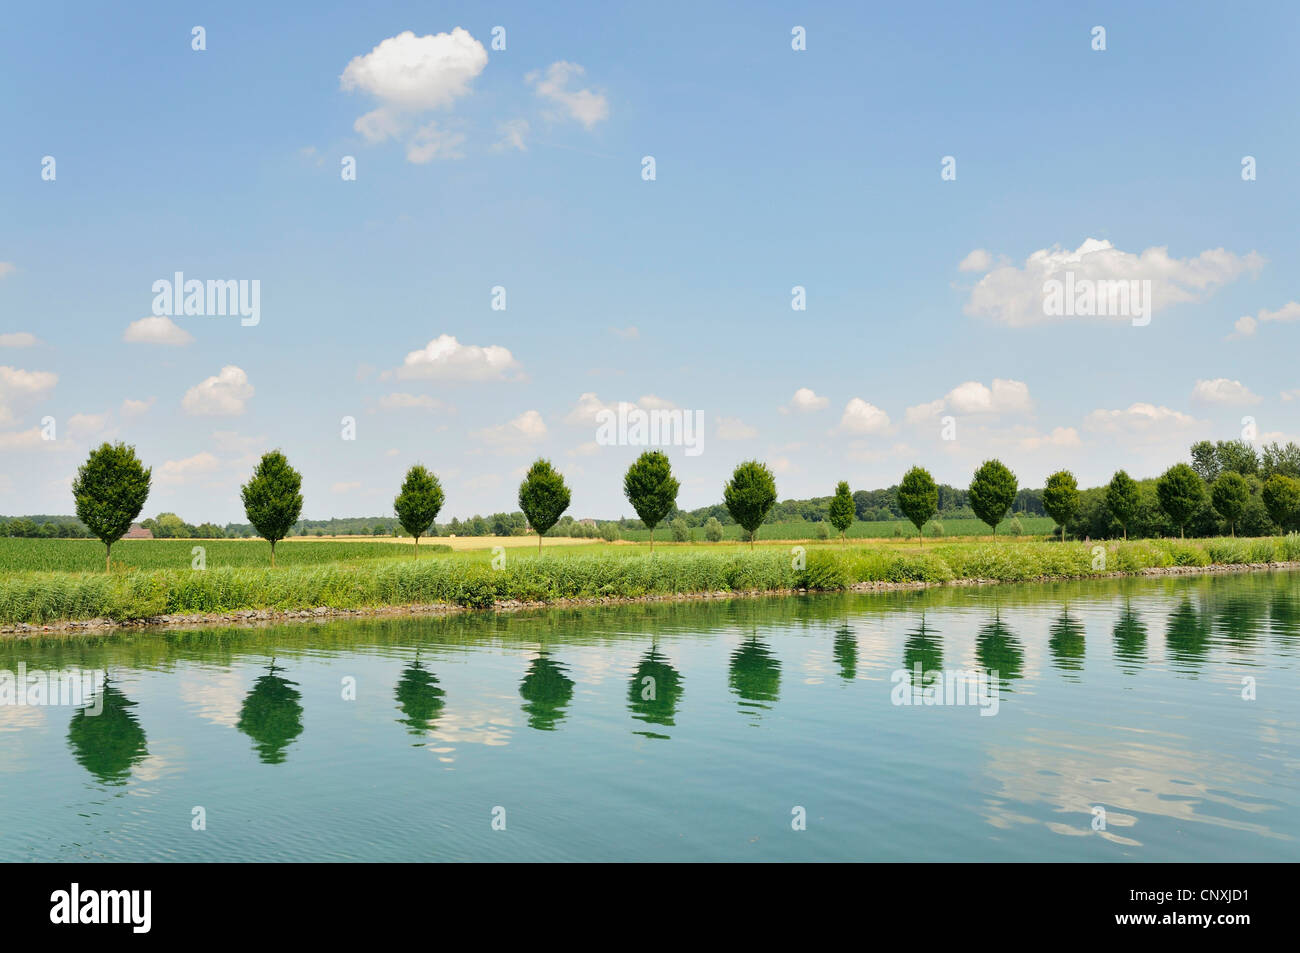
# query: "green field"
(76, 555)
(349, 575)
(873, 529)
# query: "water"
(1117, 696)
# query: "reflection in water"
(654, 692)
(925, 650)
(109, 744)
(271, 716)
(420, 698)
(998, 650)
(755, 675)
(846, 652)
(1130, 639)
(547, 691)
(1066, 643)
(1187, 636)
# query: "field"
(347, 575)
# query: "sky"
(836, 256)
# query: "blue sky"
(522, 168)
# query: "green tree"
(543, 496)
(418, 503)
(713, 530)
(918, 498)
(651, 489)
(110, 490)
(1123, 499)
(1205, 460)
(1061, 498)
(681, 532)
(1180, 491)
(1229, 497)
(1281, 496)
(992, 492)
(273, 498)
(750, 495)
(841, 511)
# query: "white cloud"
(84, 425)
(733, 428)
(1004, 397)
(923, 413)
(224, 395)
(19, 339)
(430, 142)
(1138, 418)
(134, 408)
(651, 402)
(19, 384)
(513, 133)
(157, 330)
(1291, 394)
(345, 487)
(176, 472)
(402, 401)
(526, 429)
(589, 405)
(1245, 326)
(590, 448)
(862, 417)
(30, 439)
(415, 73)
(805, 401)
(1014, 296)
(445, 358)
(583, 105)
(1059, 437)
(1223, 391)
(978, 260)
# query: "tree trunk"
(108, 557)
(272, 554)
(417, 547)
(652, 539)
(1125, 528)
(539, 544)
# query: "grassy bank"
(468, 579)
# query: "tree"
(1229, 497)
(1123, 499)
(749, 496)
(713, 530)
(681, 532)
(1281, 496)
(991, 492)
(543, 496)
(1279, 459)
(651, 489)
(272, 498)
(841, 511)
(1061, 498)
(1180, 491)
(1205, 460)
(918, 498)
(110, 490)
(418, 503)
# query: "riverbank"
(33, 603)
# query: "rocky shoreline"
(264, 617)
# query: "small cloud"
(430, 143)
(223, 395)
(157, 330)
(134, 408)
(1059, 437)
(445, 358)
(19, 339)
(347, 487)
(512, 133)
(176, 472)
(805, 401)
(1223, 391)
(862, 417)
(401, 401)
(84, 425)
(583, 105)
(978, 260)
(733, 428)
(629, 333)
(526, 429)
(1245, 326)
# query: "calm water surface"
(685, 732)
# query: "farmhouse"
(137, 532)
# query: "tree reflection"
(1187, 635)
(998, 650)
(1066, 643)
(547, 691)
(846, 652)
(420, 698)
(755, 675)
(654, 691)
(1130, 638)
(271, 716)
(110, 743)
(922, 648)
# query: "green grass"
(357, 579)
(71, 555)
(882, 529)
